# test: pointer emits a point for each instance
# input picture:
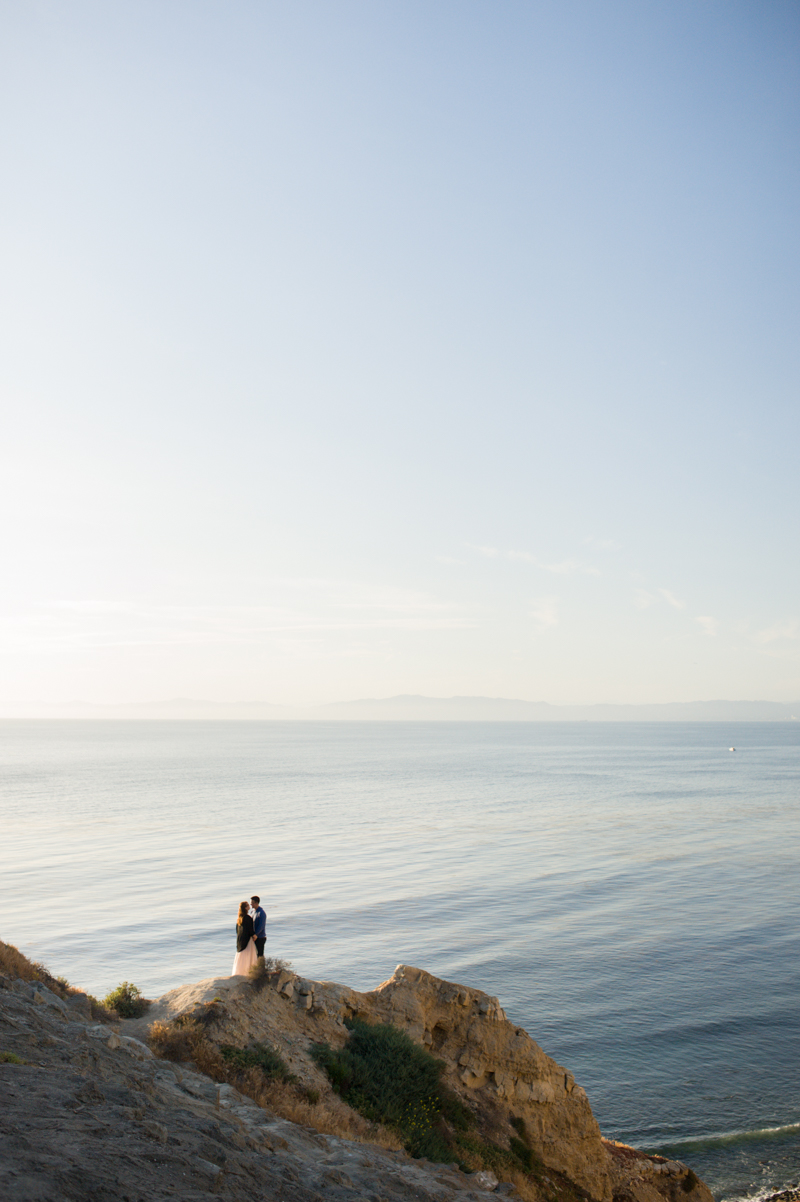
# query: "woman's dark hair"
(243, 910)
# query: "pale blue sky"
(352, 349)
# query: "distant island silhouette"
(417, 708)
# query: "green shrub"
(423, 1131)
(127, 1000)
(11, 1058)
(259, 1056)
(385, 1076)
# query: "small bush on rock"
(127, 1000)
(265, 968)
(173, 1041)
(267, 964)
(259, 1056)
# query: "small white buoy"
(731, 749)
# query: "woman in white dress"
(245, 956)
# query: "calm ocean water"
(629, 891)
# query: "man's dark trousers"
(260, 945)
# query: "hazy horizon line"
(404, 706)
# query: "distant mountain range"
(501, 709)
(415, 708)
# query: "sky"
(352, 349)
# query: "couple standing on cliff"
(251, 935)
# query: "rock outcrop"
(495, 1066)
(89, 1114)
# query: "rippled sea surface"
(628, 891)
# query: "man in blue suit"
(259, 925)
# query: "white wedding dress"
(244, 961)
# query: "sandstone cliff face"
(493, 1065)
(499, 1067)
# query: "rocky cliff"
(494, 1066)
(88, 1112)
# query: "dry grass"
(185, 1039)
(523, 1185)
(265, 969)
(327, 1113)
(14, 964)
(171, 1041)
(269, 964)
(17, 966)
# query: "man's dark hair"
(255, 899)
